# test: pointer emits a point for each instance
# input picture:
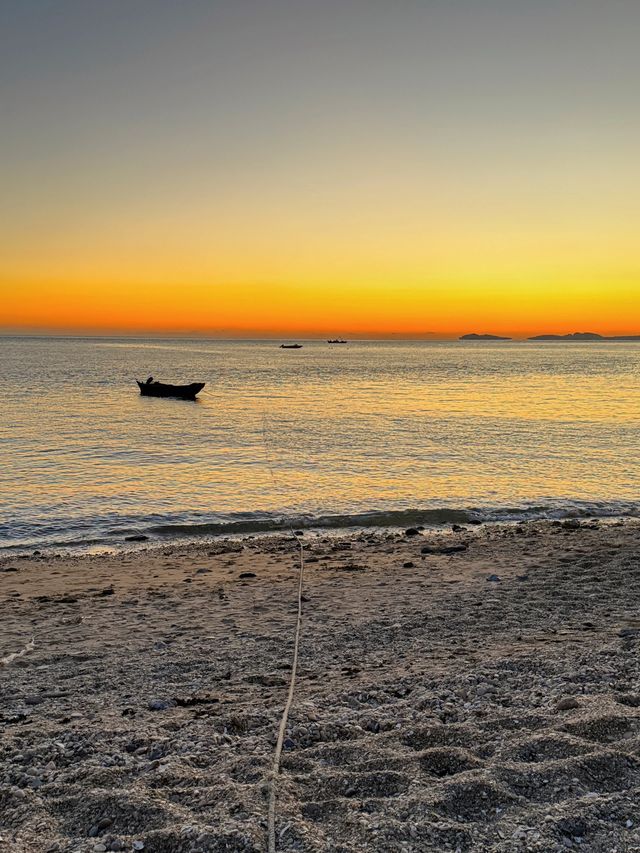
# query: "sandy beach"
(467, 689)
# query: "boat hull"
(159, 389)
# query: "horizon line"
(195, 335)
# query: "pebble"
(412, 531)
(408, 565)
(247, 574)
(567, 704)
(160, 704)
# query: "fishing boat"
(151, 388)
(337, 341)
(290, 346)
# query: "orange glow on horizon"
(438, 309)
(284, 311)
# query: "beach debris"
(108, 590)
(247, 575)
(444, 549)
(630, 633)
(493, 579)
(30, 646)
(12, 719)
(195, 699)
(136, 537)
(408, 565)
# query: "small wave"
(398, 518)
(78, 535)
(394, 518)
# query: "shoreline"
(481, 698)
(205, 534)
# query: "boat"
(337, 341)
(151, 388)
(290, 346)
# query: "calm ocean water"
(335, 436)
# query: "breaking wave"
(125, 532)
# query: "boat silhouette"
(150, 388)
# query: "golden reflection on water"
(320, 430)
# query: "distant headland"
(574, 336)
(584, 336)
(474, 337)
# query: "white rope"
(15, 655)
(285, 714)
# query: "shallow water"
(342, 435)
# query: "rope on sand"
(15, 655)
(285, 715)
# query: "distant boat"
(337, 341)
(290, 346)
(160, 389)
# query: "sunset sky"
(313, 167)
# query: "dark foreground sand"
(435, 710)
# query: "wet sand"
(483, 699)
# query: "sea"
(327, 437)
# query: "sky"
(245, 168)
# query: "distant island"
(584, 336)
(474, 337)
(574, 336)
